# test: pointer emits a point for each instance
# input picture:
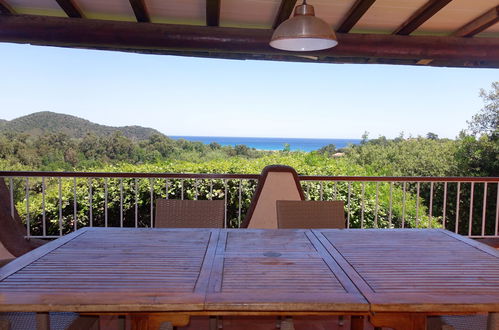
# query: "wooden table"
(397, 277)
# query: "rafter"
(479, 24)
(243, 43)
(140, 10)
(422, 15)
(354, 15)
(5, 8)
(212, 12)
(70, 8)
(285, 10)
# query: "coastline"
(272, 144)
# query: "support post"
(42, 321)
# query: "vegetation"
(46, 122)
(475, 152)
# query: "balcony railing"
(52, 204)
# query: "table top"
(417, 270)
(251, 270)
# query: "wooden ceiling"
(460, 33)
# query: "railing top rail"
(127, 175)
(399, 178)
(241, 176)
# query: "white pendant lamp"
(303, 32)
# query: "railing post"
(28, 223)
(470, 225)
(60, 206)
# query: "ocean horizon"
(267, 143)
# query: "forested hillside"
(46, 122)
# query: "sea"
(265, 143)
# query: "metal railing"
(52, 204)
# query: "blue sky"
(194, 96)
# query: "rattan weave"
(310, 214)
(27, 320)
(174, 213)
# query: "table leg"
(215, 323)
(493, 321)
(42, 321)
(154, 321)
(399, 321)
(357, 322)
(4, 325)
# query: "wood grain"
(411, 270)
(387, 274)
(427, 11)
(272, 270)
(115, 270)
(154, 38)
(479, 24)
(359, 8)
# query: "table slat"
(272, 270)
(417, 270)
(116, 270)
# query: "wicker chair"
(174, 213)
(310, 214)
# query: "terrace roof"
(415, 32)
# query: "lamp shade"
(303, 32)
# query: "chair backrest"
(12, 241)
(275, 183)
(310, 214)
(175, 213)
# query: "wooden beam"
(420, 16)
(354, 15)
(424, 61)
(140, 10)
(285, 10)
(479, 24)
(212, 12)
(70, 8)
(5, 8)
(154, 38)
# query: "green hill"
(41, 123)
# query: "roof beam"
(479, 24)
(140, 10)
(212, 12)
(70, 8)
(167, 38)
(354, 15)
(285, 10)
(420, 16)
(5, 8)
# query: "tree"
(478, 154)
(431, 136)
(365, 137)
(328, 150)
(215, 146)
(241, 149)
(487, 120)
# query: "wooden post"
(154, 321)
(357, 322)
(4, 325)
(42, 321)
(493, 321)
(399, 321)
